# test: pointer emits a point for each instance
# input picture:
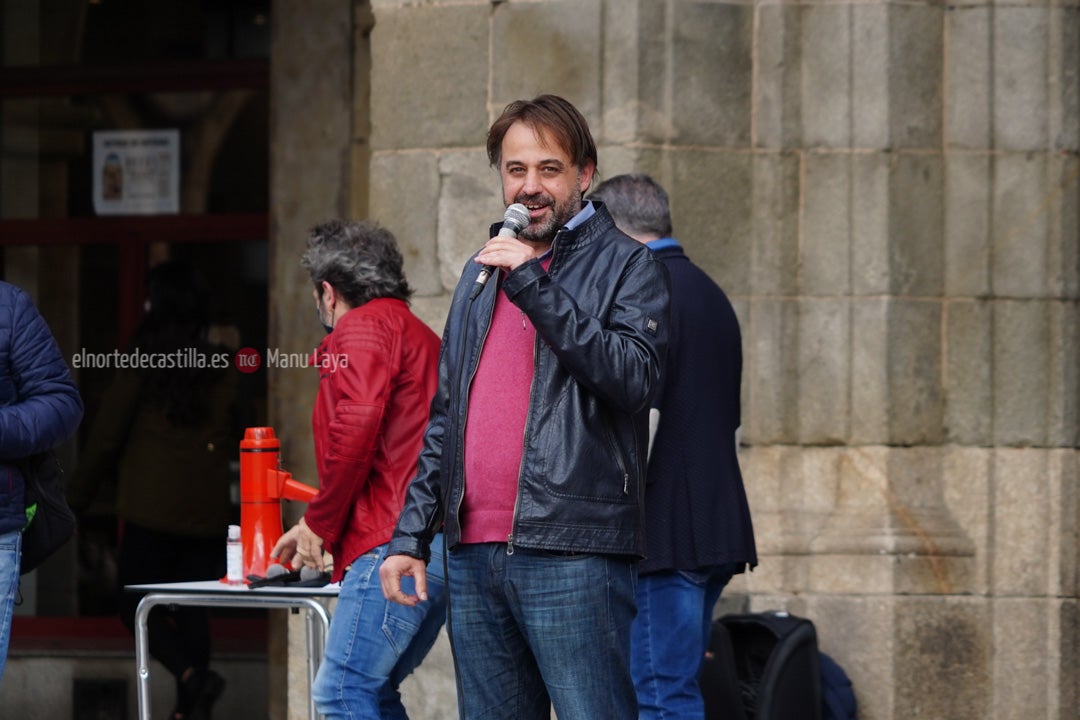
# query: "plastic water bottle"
(234, 557)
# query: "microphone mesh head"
(517, 217)
(275, 570)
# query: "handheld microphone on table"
(280, 576)
(515, 219)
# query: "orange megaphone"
(263, 484)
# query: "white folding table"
(214, 593)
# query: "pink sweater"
(495, 429)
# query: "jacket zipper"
(619, 459)
(528, 412)
(465, 401)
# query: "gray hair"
(360, 259)
(637, 203)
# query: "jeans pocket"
(400, 627)
(696, 577)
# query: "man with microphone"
(533, 461)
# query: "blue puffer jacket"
(40, 406)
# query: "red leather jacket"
(378, 370)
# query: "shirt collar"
(662, 244)
(586, 212)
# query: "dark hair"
(637, 203)
(546, 112)
(177, 319)
(360, 259)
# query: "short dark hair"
(360, 259)
(546, 112)
(637, 203)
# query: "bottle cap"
(234, 532)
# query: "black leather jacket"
(601, 317)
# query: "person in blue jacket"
(698, 532)
(40, 407)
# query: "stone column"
(888, 193)
(311, 161)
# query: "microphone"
(515, 219)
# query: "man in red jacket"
(377, 374)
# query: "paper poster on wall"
(137, 172)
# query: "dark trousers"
(179, 637)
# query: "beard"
(561, 213)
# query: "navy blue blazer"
(696, 513)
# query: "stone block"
(1063, 423)
(775, 230)
(1020, 36)
(1019, 226)
(967, 491)
(427, 92)
(310, 75)
(825, 259)
(470, 200)
(432, 309)
(647, 110)
(771, 344)
(916, 56)
(1062, 210)
(869, 209)
(711, 194)
(913, 359)
(857, 632)
(826, 82)
(871, 74)
(778, 89)
(401, 183)
(1020, 385)
(791, 492)
(546, 47)
(890, 531)
(1065, 680)
(1063, 528)
(629, 61)
(615, 160)
(943, 650)
(1024, 659)
(711, 56)
(1063, 60)
(1022, 536)
(762, 470)
(824, 336)
(870, 380)
(968, 381)
(967, 210)
(968, 78)
(916, 224)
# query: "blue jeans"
(670, 636)
(536, 629)
(374, 644)
(10, 550)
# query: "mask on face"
(318, 313)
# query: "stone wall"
(889, 194)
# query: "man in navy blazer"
(698, 532)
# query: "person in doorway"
(40, 407)
(697, 520)
(535, 454)
(165, 433)
(377, 374)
